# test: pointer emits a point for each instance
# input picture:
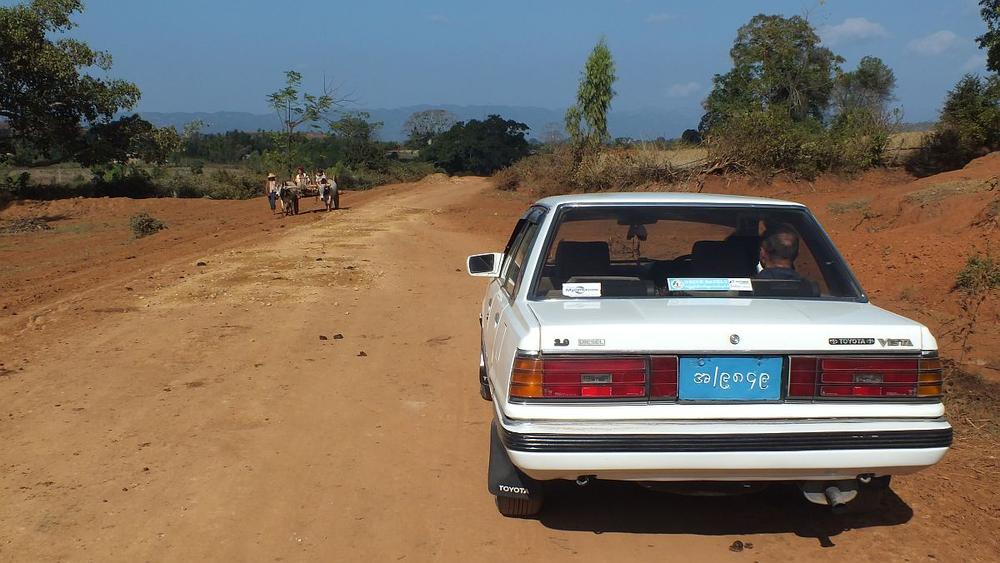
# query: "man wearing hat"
(271, 189)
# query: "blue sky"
(213, 55)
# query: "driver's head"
(779, 246)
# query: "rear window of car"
(691, 251)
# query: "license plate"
(729, 378)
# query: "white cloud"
(933, 44)
(659, 18)
(438, 18)
(975, 63)
(683, 90)
(852, 29)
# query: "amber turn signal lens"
(932, 364)
(526, 378)
(929, 390)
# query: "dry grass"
(625, 169)
(902, 146)
(632, 168)
(841, 207)
(938, 192)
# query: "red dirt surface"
(155, 409)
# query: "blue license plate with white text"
(729, 378)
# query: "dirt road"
(310, 393)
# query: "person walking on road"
(271, 190)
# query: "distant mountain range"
(637, 124)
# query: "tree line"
(786, 104)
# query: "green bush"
(770, 141)
(220, 184)
(123, 180)
(969, 127)
(767, 142)
(361, 178)
(143, 224)
(980, 273)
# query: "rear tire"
(519, 507)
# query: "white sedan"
(706, 341)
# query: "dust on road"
(183, 412)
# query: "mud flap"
(506, 480)
(484, 382)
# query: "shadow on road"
(628, 508)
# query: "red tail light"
(663, 377)
(594, 378)
(813, 377)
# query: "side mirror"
(484, 265)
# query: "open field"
(158, 409)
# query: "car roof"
(660, 198)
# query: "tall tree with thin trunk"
(296, 108)
(593, 99)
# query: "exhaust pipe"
(835, 498)
(835, 494)
(583, 480)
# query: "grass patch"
(79, 228)
(938, 192)
(143, 224)
(841, 207)
(980, 273)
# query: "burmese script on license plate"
(729, 378)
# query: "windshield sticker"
(589, 289)
(709, 284)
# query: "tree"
(972, 109)
(46, 96)
(479, 147)
(870, 87)
(192, 129)
(359, 136)
(691, 137)
(777, 61)
(593, 99)
(552, 134)
(422, 126)
(990, 10)
(127, 138)
(296, 108)
(969, 126)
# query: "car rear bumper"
(725, 451)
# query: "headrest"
(582, 258)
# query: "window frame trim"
(824, 238)
(535, 215)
